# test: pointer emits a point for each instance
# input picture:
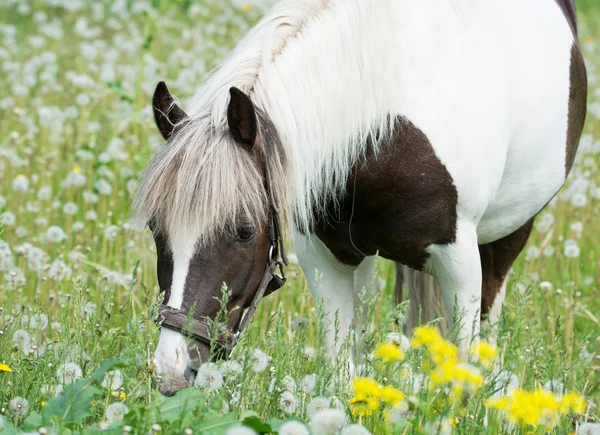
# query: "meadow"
(78, 283)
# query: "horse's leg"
(330, 282)
(496, 260)
(457, 268)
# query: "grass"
(77, 130)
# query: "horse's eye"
(244, 234)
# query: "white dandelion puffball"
(355, 429)
(289, 384)
(328, 422)
(68, 373)
(20, 184)
(116, 412)
(555, 386)
(588, 429)
(70, 208)
(399, 340)
(288, 402)
(113, 380)
(308, 383)
(441, 427)
(9, 218)
(208, 378)
(317, 405)
(19, 405)
(571, 249)
(505, 382)
(240, 430)
(293, 428)
(309, 353)
(231, 370)
(22, 341)
(259, 361)
(55, 234)
(38, 321)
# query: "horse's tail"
(425, 297)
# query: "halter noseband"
(200, 329)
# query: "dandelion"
(589, 429)
(103, 187)
(68, 373)
(289, 384)
(328, 422)
(70, 208)
(9, 218)
(240, 430)
(19, 405)
(309, 353)
(44, 193)
(389, 352)
(91, 215)
(116, 412)
(55, 234)
(231, 370)
(299, 323)
(259, 361)
(425, 336)
(440, 427)
(20, 183)
(38, 321)
(288, 402)
(391, 395)
(355, 429)
(555, 386)
(308, 383)
(5, 368)
(579, 200)
(22, 341)
(113, 380)
(208, 378)
(317, 405)
(21, 232)
(571, 249)
(293, 428)
(484, 352)
(111, 232)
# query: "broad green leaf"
(6, 426)
(32, 423)
(185, 401)
(217, 425)
(106, 366)
(257, 424)
(73, 405)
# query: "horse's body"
(428, 132)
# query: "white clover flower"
(355, 429)
(70, 208)
(19, 405)
(116, 412)
(317, 405)
(38, 321)
(22, 341)
(293, 428)
(308, 383)
(208, 378)
(288, 402)
(103, 187)
(571, 249)
(113, 380)
(9, 218)
(55, 234)
(328, 422)
(44, 193)
(231, 370)
(240, 430)
(20, 184)
(259, 361)
(68, 373)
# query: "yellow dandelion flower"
(528, 408)
(114, 394)
(484, 352)
(246, 7)
(425, 336)
(389, 352)
(391, 395)
(363, 405)
(77, 169)
(366, 387)
(572, 401)
(5, 368)
(42, 404)
(442, 350)
(21, 176)
(122, 396)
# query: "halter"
(200, 329)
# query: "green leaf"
(6, 426)
(186, 401)
(217, 425)
(276, 423)
(32, 423)
(257, 424)
(73, 405)
(106, 366)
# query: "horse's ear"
(167, 114)
(242, 118)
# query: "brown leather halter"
(226, 339)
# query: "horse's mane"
(201, 180)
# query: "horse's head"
(242, 252)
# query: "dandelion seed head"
(328, 422)
(308, 383)
(259, 361)
(22, 341)
(208, 378)
(19, 405)
(293, 428)
(288, 402)
(317, 405)
(55, 234)
(68, 373)
(116, 412)
(240, 430)
(355, 429)
(113, 380)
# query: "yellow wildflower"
(363, 406)
(389, 352)
(442, 350)
(484, 352)
(425, 336)
(246, 7)
(391, 395)
(572, 402)
(42, 404)
(114, 394)
(366, 387)
(122, 396)
(5, 368)
(77, 169)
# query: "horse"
(428, 133)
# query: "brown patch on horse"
(398, 201)
(577, 105)
(496, 260)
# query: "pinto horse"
(429, 133)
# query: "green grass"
(75, 106)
